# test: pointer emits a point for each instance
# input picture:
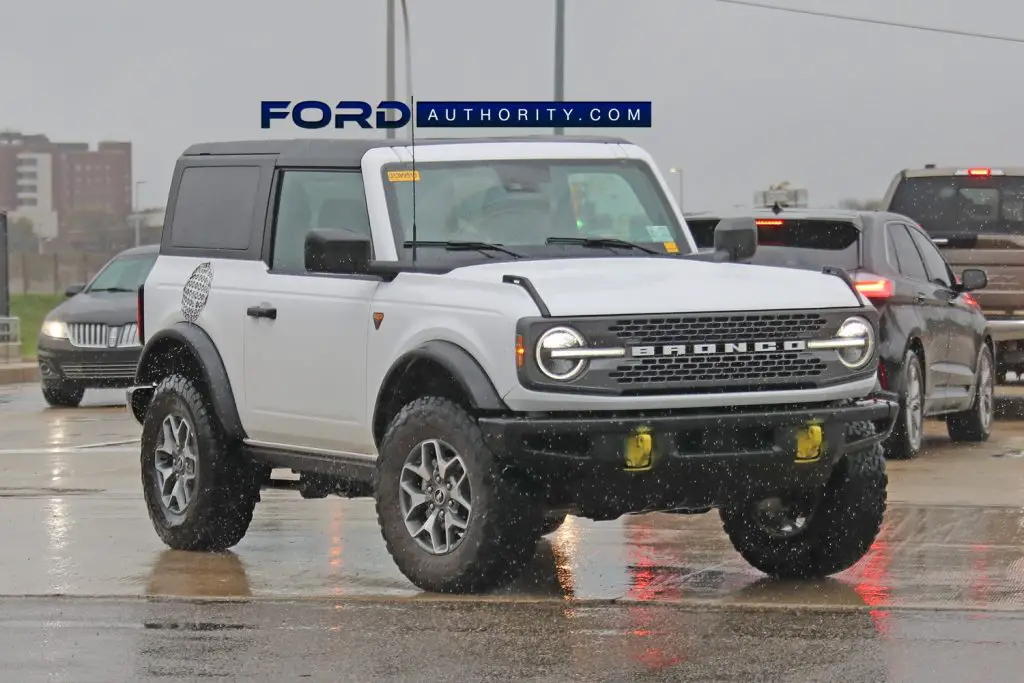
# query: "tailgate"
(1002, 258)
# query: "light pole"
(135, 212)
(559, 56)
(679, 172)
(390, 47)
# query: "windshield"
(963, 205)
(809, 244)
(123, 274)
(522, 204)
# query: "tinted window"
(809, 244)
(311, 200)
(906, 253)
(123, 274)
(522, 203)
(214, 209)
(962, 205)
(933, 261)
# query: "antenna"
(412, 106)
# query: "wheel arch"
(186, 349)
(434, 368)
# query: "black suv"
(92, 339)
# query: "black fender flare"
(211, 367)
(462, 366)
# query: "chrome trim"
(577, 354)
(308, 449)
(102, 336)
(818, 344)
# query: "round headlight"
(560, 339)
(856, 355)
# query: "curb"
(19, 373)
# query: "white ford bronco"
(486, 335)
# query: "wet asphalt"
(88, 593)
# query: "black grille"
(775, 367)
(708, 329)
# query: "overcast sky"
(743, 97)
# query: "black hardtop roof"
(350, 151)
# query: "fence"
(51, 273)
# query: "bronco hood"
(625, 285)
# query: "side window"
(214, 207)
(938, 271)
(910, 261)
(310, 200)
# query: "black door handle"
(268, 312)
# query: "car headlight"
(861, 344)
(55, 329)
(560, 339)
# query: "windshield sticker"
(671, 247)
(403, 176)
(659, 233)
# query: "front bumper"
(88, 368)
(701, 458)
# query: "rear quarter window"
(214, 207)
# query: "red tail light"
(979, 171)
(139, 307)
(883, 378)
(970, 300)
(874, 286)
(768, 221)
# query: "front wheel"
(794, 538)
(975, 424)
(199, 492)
(451, 519)
(62, 395)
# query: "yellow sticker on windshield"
(671, 247)
(403, 176)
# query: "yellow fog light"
(639, 450)
(808, 443)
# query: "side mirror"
(972, 279)
(341, 252)
(736, 238)
(73, 290)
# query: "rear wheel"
(61, 394)
(905, 441)
(199, 491)
(794, 537)
(975, 424)
(451, 519)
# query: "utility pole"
(559, 56)
(390, 47)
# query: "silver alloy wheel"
(435, 496)
(176, 463)
(915, 409)
(780, 519)
(986, 392)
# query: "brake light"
(768, 221)
(874, 286)
(979, 171)
(139, 306)
(970, 300)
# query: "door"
(306, 334)
(963, 348)
(914, 289)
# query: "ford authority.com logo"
(316, 114)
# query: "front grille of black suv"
(774, 367)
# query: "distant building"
(49, 182)
(782, 193)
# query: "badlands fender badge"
(196, 291)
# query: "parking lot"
(941, 589)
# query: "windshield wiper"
(111, 289)
(465, 246)
(600, 242)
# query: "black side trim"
(210, 365)
(525, 283)
(845, 277)
(348, 468)
(457, 361)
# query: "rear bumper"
(701, 458)
(1006, 330)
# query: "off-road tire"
(552, 522)
(970, 425)
(838, 533)
(61, 395)
(501, 536)
(227, 487)
(899, 445)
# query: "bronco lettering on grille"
(716, 349)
